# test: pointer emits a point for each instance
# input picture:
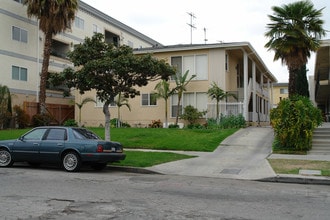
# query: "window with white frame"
(284, 91)
(196, 99)
(19, 73)
(96, 29)
(79, 23)
(195, 64)
(148, 99)
(19, 34)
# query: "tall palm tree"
(81, 104)
(181, 82)
(121, 101)
(163, 91)
(215, 92)
(295, 30)
(54, 17)
(5, 106)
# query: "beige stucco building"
(234, 67)
(280, 91)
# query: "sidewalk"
(243, 155)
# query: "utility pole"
(191, 25)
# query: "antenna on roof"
(205, 40)
(191, 25)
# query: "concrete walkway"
(240, 156)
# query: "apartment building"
(22, 43)
(234, 67)
(280, 91)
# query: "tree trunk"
(178, 110)
(292, 81)
(106, 112)
(44, 73)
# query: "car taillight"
(99, 148)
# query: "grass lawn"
(285, 166)
(153, 138)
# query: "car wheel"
(71, 161)
(5, 158)
(99, 166)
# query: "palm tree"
(295, 31)
(215, 92)
(5, 106)
(164, 91)
(181, 83)
(120, 101)
(81, 104)
(54, 17)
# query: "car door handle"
(35, 144)
(59, 144)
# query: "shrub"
(114, 123)
(156, 124)
(173, 126)
(70, 123)
(294, 121)
(191, 114)
(22, 119)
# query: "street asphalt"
(242, 155)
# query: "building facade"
(280, 91)
(22, 44)
(234, 67)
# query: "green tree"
(5, 106)
(120, 101)
(81, 104)
(54, 17)
(181, 82)
(112, 70)
(191, 114)
(163, 91)
(295, 30)
(215, 92)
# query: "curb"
(297, 180)
(132, 169)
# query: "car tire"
(71, 162)
(5, 158)
(98, 166)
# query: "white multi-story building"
(22, 45)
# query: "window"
(96, 29)
(19, 1)
(79, 23)
(56, 134)
(196, 99)
(36, 134)
(149, 99)
(196, 64)
(19, 34)
(284, 91)
(19, 73)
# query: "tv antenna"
(191, 25)
(205, 39)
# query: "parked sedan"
(69, 146)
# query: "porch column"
(262, 101)
(246, 79)
(269, 99)
(254, 89)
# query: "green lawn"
(153, 138)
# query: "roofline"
(102, 16)
(245, 46)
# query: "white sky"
(226, 21)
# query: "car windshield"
(81, 133)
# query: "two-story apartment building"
(234, 67)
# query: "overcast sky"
(224, 21)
